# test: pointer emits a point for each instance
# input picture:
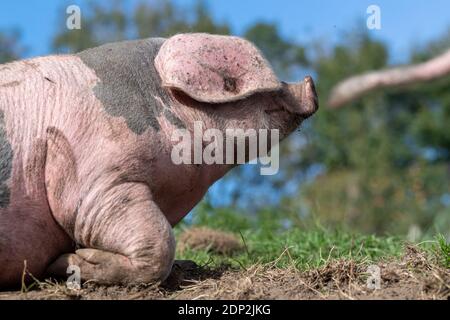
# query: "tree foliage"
(384, 156)
(115, 22)
(10, 47)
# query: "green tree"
(10, 47)
(377, 174)
(431, 126)
(114, 22)
(99, 24)
(284, 55)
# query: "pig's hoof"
(106, 268)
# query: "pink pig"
(86, 176)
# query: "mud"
(201, 238)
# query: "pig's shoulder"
(129, 85)
(39, 72)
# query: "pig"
(86, 176)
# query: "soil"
(411, 277)
(202, 238)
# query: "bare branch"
(356, 86)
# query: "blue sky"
(405, 23)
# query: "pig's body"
(85, 162)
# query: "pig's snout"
(302, 97)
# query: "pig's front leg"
(126, 238)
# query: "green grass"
(274, 238)
(304, 249)
(443, 251)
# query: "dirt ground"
(412, 277)
(208, 239)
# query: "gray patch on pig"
(129, 82)
(173, 119)
(6, 156)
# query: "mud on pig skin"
(85, 145)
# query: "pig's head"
(225, 82)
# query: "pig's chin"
(291, 126)
(286, 121)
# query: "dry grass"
(415, 276)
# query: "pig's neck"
(180, 198)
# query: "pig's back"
(37, 95)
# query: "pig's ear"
(214, 69)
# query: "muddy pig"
(86, 170)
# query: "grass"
(270, 237)
(305, 249)
(278, 261)
(443, 251)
